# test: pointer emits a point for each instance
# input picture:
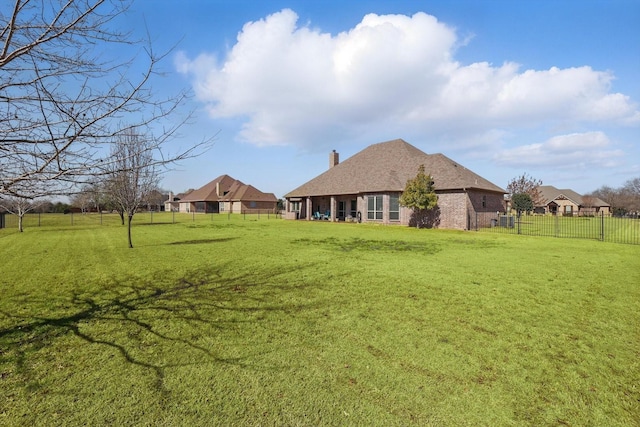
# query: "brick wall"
(453, 210)
(456, 210)
(482, 201)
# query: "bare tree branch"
(526, 184)
(63, 101)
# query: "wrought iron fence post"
(602, 226)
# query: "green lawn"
(247, 321)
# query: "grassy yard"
(238, 321)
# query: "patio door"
(341, 209)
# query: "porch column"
(309, 209)
(333, 208)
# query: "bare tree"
(155, 199)
(27, 199)
(608, 194)
(133, 174)
(90, 197)
(623, 200)
(19, 206)
(527, 185)
(588, 206)
(81, 201)
(63, 98)
(631, 189)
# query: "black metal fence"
(599, 227)
(30, 220)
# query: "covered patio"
(324, 208)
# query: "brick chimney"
(333, 159)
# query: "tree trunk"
(121, 213)
(129, 230)
(20, 223)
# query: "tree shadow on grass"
(359, 245)
(203, 241)
(204, 301)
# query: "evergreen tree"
(420, 195)
(522, 202)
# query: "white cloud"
(389, 75)
(572, 151)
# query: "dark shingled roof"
(387, 166)
(549, 193)
(230, 190)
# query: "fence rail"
(600, 227)
(30, 220)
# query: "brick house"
(172, 204)
(366, 187)
(567, 202)
(227, 194)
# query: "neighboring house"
(172, 204)
(366, 187)
(568, 202)
(226, 194)
(155, 201)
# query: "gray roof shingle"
(387, 166)
(549, 193)
(230, 190)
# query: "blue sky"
(547, 88)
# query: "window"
(568, 209)
(354, 207)
(374, 207)
(484, 201)
(221, 207)
(295, 206)
(394, 207)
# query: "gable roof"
(248, 193)
(549, 193)
(387, 166)
(226, 188)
